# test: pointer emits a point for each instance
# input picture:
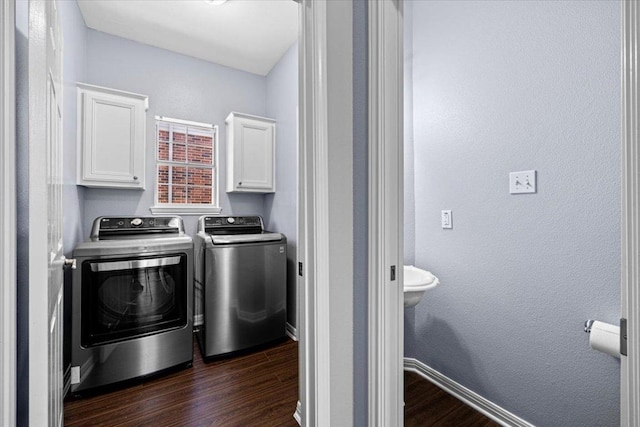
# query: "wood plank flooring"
(256, 389)
(427, 405)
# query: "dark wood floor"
(257, 389)
(427, 405)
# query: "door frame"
(8, 254)
(325, 223)
(386, 207)
(630, 221)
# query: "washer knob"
(231, 220)
(136, 222)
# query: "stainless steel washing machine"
(132, 298)
(240, 283)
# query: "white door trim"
(8, 256)
(386, 199)
(326, 208)
(630, 226)
(45, 214)
(38, 256)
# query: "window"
(186, 177)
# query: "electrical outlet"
(447, 221)
(522, 182)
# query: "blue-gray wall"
(509, 86)
(178, 86)
(280, 208)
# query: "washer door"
(127, 298)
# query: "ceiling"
(250, 35)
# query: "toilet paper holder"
(587, 325)
(623, 333)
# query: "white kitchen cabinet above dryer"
(111, 133)
(251, 150)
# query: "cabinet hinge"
(623, 337)
(393, 273)
(300, 269)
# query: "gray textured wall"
(280, 208)
(510, 86)
(178, 86)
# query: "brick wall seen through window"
(186, 164)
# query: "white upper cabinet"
(111, 132)
(251, 150)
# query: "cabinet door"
(254, 145)
(113, 140)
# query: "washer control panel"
(232, 221)
(113, 226)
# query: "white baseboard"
(471, 398)
(292, 332)
(298, 414)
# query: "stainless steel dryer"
(132, 298)
(241, 282)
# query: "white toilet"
(416, 282)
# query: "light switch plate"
(447, 220)
(522, 182)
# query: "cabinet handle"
(135, 178)
(239, 184)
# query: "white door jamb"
(8, 254)
(386, 308)
(326, 208)
(630, 225)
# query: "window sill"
(185, 209)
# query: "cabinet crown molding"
(108, 90)
(247, 116)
